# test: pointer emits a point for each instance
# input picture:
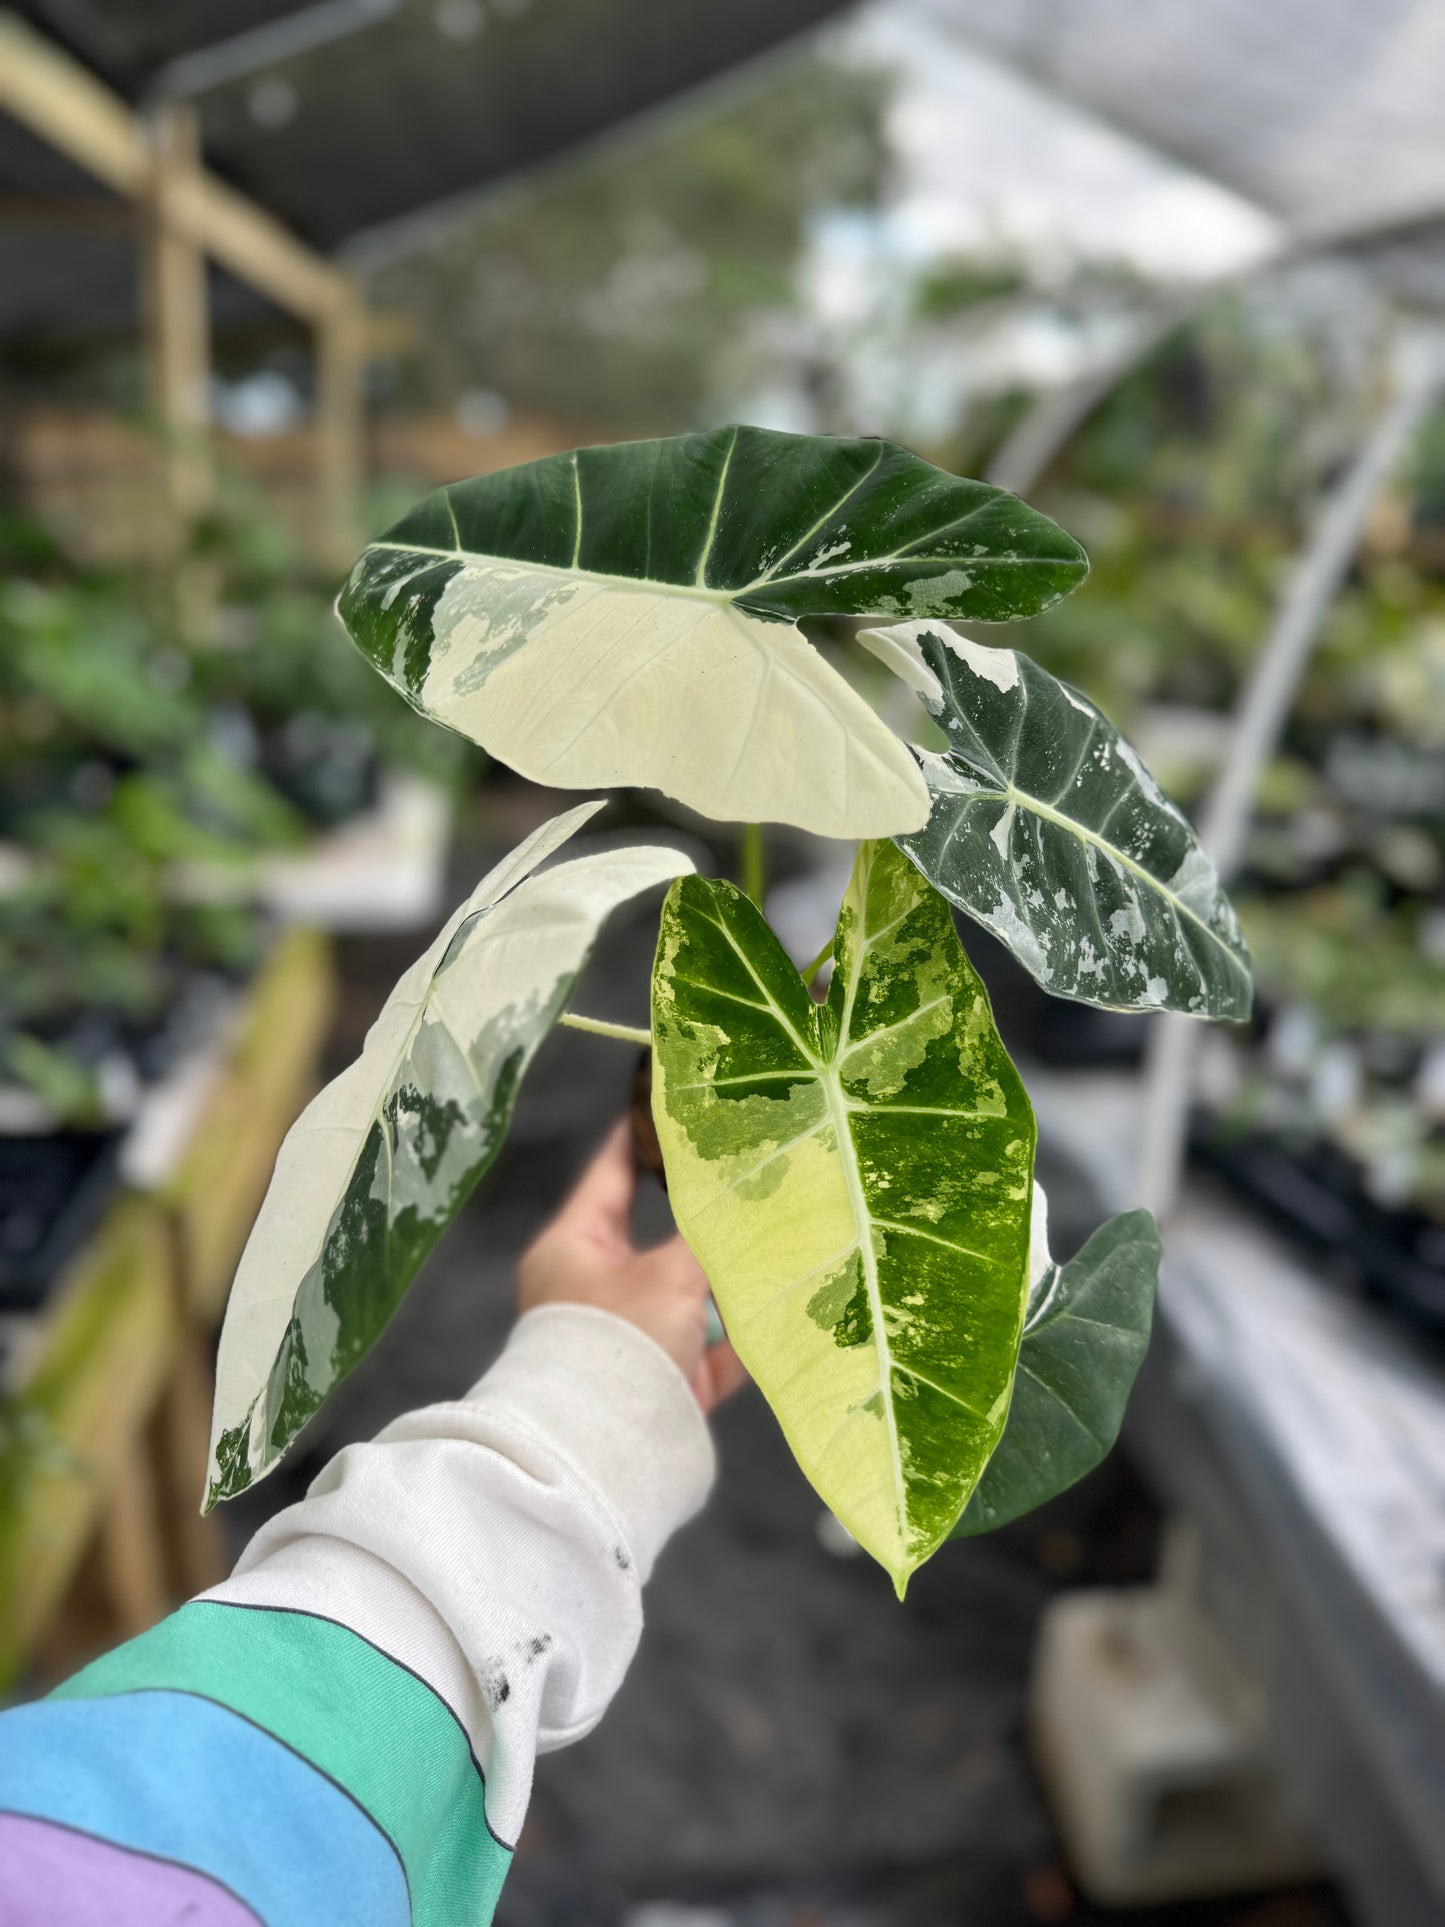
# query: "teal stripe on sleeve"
(361, 1718)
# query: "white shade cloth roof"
(1329, 114)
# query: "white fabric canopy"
(1329, 112)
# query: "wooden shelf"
(103, 1460)
(215, 1193)
(98, 1375)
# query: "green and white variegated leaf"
(626, 615)
(1085, 1337)
(378, 1164)
(854, 1178)
(1047, 828)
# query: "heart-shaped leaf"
(625, 615)
(1085, 1337)
(378, 1164)
(854, 1178)
(1048, 829)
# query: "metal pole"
(244, 54)
(1417, 369)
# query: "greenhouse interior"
(285, 757)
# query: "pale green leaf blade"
(625, 615)
(1047, 828)
(380, 1161)
(855, 1180)
(1085, 1337)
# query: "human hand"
(586, 1256)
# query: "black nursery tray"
(53, 1190)
(1051, 1030)
(1313, 1191)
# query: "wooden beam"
(258, 249)
(62, 103)
(70, 110)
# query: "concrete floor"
(791, 1746)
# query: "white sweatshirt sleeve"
(496, 1547)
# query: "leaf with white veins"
(854, 1178)
(378, 1164)
(626, 615)
(1048, 829)
(1085, 1336)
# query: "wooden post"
(340, 423)
(176, 325)
(187, 217)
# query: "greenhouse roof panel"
(1325, 112)
(398, 104)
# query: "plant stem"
(751, 860)
(624, 1033)
(810, 971)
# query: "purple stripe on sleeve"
(52, 1876)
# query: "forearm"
(391, 1653)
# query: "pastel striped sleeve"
(345, 1730)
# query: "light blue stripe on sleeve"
(180, 1777)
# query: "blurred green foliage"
(1362, 962)
(129, 750)
(957, 283)
(616, 292)
(1194, 487)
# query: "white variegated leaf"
(1047, 828)
(377, 1165)
(626, 615)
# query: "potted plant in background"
(138, 760)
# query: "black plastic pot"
(53, 1190)
(1051, 1030)
(330, 772)
(1314, 1192)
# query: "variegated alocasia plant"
(856, 1173)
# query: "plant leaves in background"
(1085, 1337)
(625, 615)
(377, 1165)
(1048, 829)
(854, 1178)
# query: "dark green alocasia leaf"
(626, 615)
(378, 1164)
(855, 1180)
(1047, 828)
(1085, 1337)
